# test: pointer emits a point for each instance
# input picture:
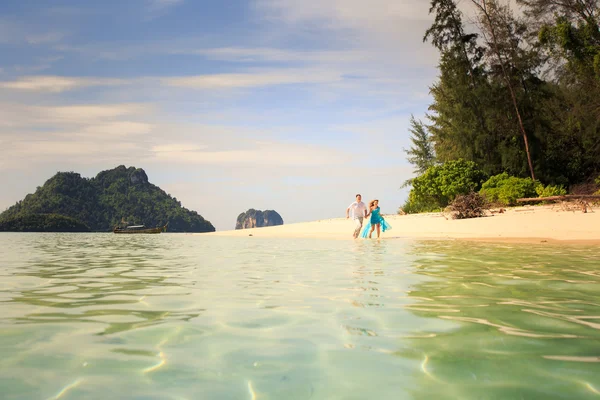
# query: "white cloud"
(253, 79)
(44, 38)
(258, 154)
(57, 84)
(163, 4)
(178, 148)
(12, 31)
(373, 21)
(267, 54)
(157, 8)
(346, 12)
(117, 128)
(20, 117)
(82, 114)
(82, 150)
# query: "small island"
(68, 202)
(258, 219)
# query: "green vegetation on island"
(99, 204)
(516, 107)
(42, 223)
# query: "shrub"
(472, 205)
(507, 189)
(413, 206)
(440, 184)
(548, 191)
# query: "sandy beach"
(529, 224)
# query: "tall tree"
(459, 128)
(493, 20)
(421, 154)
(581, 9)
(568, 32)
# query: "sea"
(177, 316)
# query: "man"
(359, 212)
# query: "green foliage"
(413, 205)
(505, 189)
(550, 59)
(440, 184)
(112, 197)
(550, 190)
(471, 205)
(42, 223)
(421, 154)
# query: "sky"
(290, 105)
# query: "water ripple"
(170, 316)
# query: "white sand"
(523, 224)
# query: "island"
(258, 219)
(67, 202)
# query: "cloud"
(117, 128)
(26, 33)
(156, 5)
(21, 116)
(57, 84)
(253, 79)
(259, 154)
(74, 134)
(157, 8)
(43, 38)
(267, 54)
(376, 19)
(345, 12)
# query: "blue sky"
(271, 104)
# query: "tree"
(568, 32)
(421, 153)
(440, 184)
(493, 20)
(458, 113)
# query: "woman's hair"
(372, 202)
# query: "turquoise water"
(97, 316)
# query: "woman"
(376, 221)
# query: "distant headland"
(70, 203)
(258, 219)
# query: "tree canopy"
(520, 93)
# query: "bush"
(472, 205)
(440, 184)
(505, 189)
(413, 206)
(548, 191)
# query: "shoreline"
(545, 224)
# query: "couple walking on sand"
(359, 212)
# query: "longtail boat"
(139, 229)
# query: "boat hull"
(139, 231)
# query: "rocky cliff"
(257, 219)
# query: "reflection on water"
(184, 317)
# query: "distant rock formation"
(257, 219)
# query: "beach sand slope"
(521, 224)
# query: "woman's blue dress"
(376, 218)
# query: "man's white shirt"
(357, 209)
